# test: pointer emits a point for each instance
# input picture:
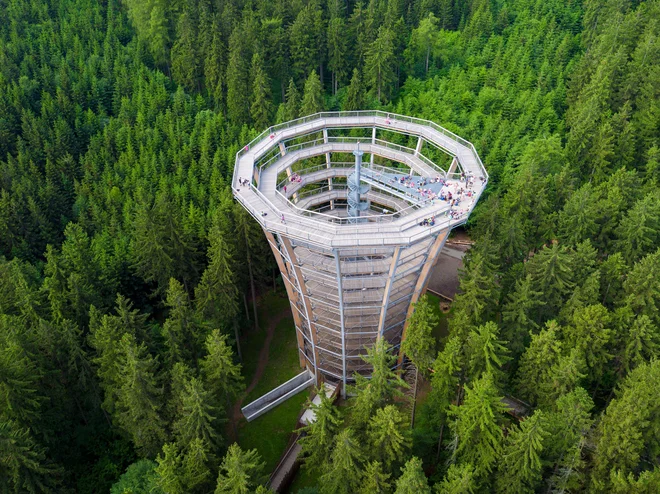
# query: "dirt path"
(236, 415)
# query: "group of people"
(243, 182)
(428, 221)
(294, 177)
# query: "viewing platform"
(356, 207)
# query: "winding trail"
(236, 414)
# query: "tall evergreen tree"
(238, 112)
(139, 397)
(520, 469)
(412, 480)
(241, 471)
(316, 443)
(379, 65)
(312, 100)
(342, 474)
(477, 425)
(389, 438)
(261, 104)
(354, 95)
(460, 479)
(419, 344)
(374, 480)
(185, 61)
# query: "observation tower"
(356, 207)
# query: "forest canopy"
(127, 270)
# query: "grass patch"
(283, 361)
(270, 433)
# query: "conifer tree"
(198, 462)
(419, 344)
(23, 464)
(197, 418)
(486, 353)
(355, 94)
(241, 471)
(642, 287)
(214, 64)
(379, 64)
(590, 333)
(518, 314)
(552, 276)
(412, 480)
(306, 40)
(183, 330)
(336, 40)
(139, 397)
(625, 430)
(237, 80)
(639, 230)
(477, 425)
(185, 59)
(342, 474)
(261, 104)
(538, 361)
(374, 480)
(216, 295)
(221, 375)
(478, 289)
(312, 100)
(520, 468)
(388, 436)
(383, 386)
(292, 101)
(460, 479)
(169, 475)
(316, 443)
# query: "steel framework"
(352, 282)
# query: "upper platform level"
(420, 178)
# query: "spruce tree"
(336, 40)
(222, 376)
(292, 101)
(237, 80)
(197, 418)
(459, 479)
(261, 105)
(518, 314)
(412, 480)
(241, 471)
(419, 344)
(379, 64)
(355, 94)
(342, 473)
(486, 353)
(316, 442)
(520, 469)
(374, 480)
(477, 425)
(537, 363)
(312, 100)
(383, 386)
(551, 270)
(388, 436)
(139, 397)
(185, 59)
(169, 474)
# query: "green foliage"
(477, 426)
(342, 472)
(412, 480)
(460, 479)
(384, 384)
(520, 469)
(316, 442)
(388, 436)
(419, 344)
(312, 99)
(241, 471)
(139, 478)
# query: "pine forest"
(133, 287)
